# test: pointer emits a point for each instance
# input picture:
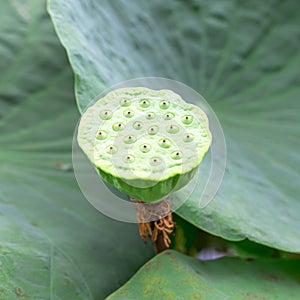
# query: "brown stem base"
(155, 223)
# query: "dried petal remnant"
(155, 220)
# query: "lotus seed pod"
(146, 143)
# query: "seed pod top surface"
(143, 134)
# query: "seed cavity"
(137, 125)
(169, 116)
(145, 148)
(111, 149)
(144, 103)
(152, 130)
(164, 104)
(125, 102)
(155, 161)
(187, 119)
(164, 143)
(128, 113)
(118, 126)
(172, 129)
(101, 135)
(129, 158)
(189, 137)
(150, 115)
(105, 114)
(176, 155)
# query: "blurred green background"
(242, 57)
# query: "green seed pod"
(146, 143)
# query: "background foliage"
(53, 243)
(243, 58)
(226, 278)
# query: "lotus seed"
(168, 116)
(150, 115)
(105, 114)
(128, 113)
(164, 104)
(187, 119)
(118, 126)
(164, 143)
(125, 102)
(111, 149)
(153, 130)
(188, 137)
(129, 158)
(145, 148)
(101, 135)
(176, 155)
(137, 125)
(155, 161)
(130, 139)
(144, 103)
(172, 129)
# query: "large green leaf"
(244, 58)
(172, 275)
(53, 243)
